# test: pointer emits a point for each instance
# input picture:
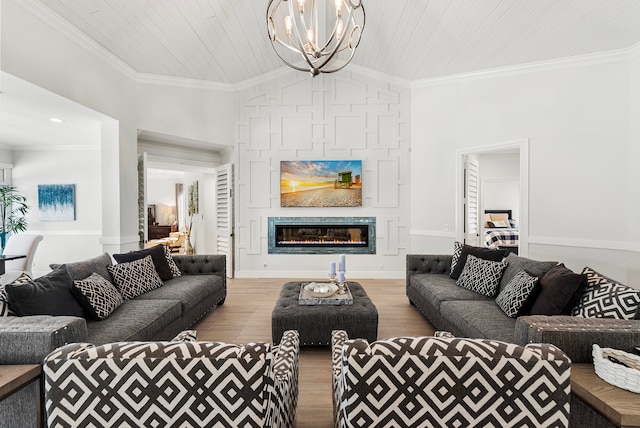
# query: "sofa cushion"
(49, 294)
(136, 277)
(157, 255)
(480, 319)
(516, 264)
(189, 290)
(605, 298)
(512, 298)
(134, 320)
(97, 296)
(481, 276)
(560, 291)
(84, 268)
(480, 252)
(439, 288)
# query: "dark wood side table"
(158, 232)
(619, 406)
(5, 258)
(14, 378)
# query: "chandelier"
(317, 36)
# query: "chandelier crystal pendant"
(317, 36)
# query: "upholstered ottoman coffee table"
(315, 322)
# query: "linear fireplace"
(322, 235)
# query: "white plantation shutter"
(472, 214)
(224, 214)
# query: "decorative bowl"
(321, 289)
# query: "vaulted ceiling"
(226, 40)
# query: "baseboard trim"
(317, 275)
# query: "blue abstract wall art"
(57, 202)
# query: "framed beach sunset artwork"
(321, 183)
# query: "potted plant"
(13, 208)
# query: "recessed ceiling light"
(56, 120)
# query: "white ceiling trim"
(154, 79)
(535, 67)
(55, 147)
(64, 27)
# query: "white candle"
(332, 268)
(341, 276)
(342, 263)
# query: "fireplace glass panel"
(321, 236)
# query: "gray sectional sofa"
(156, 315)
(468, 314)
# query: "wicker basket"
(616, 374)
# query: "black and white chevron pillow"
(173, 267)
(605, 298)
(481, 276)
(135, 278)
(97, 296)
(457, 250)
(512, 297)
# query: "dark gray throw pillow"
(84, 268)
(480, 252)
(49, 294)
(157, 255)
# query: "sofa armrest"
(202, 264)
(28, 340)
(576, 335)
(285, 370)
(428, 263)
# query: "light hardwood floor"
(246, 317)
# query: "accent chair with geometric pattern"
(171, 384)
(447, 382)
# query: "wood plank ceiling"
(226, 40)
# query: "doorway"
(499, 184)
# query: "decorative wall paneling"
(342, 116)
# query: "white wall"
(198, 114)
(34, 51)
(577, 121)
(341, 116)
(500, 182)
(64, 241)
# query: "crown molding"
(64, 27)
(61, 147)
(378, 75)
(154, 79)
(534, 67)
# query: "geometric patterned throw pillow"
(173, 267)
(97, 296)
(457, 250)
(481, 276)
(512, 297)
(605, 298)
(186, 336)
(5, 310)
(135, 278)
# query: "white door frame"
(523, 146)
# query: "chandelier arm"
(351, 21)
